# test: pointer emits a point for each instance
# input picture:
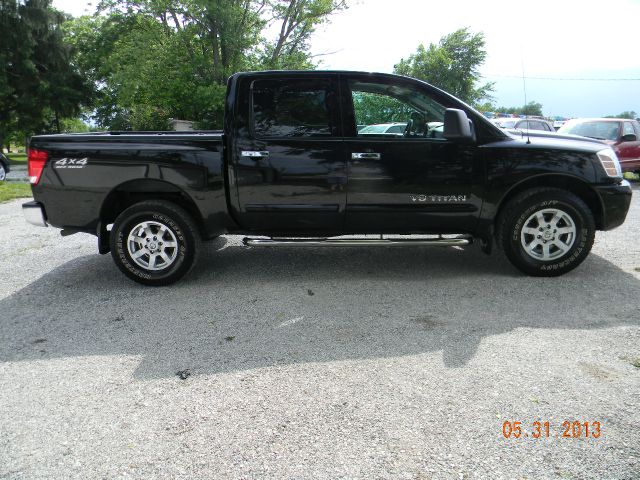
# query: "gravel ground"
(314, 364)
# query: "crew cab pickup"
(291, 168)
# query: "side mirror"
(457, 125)
(629, 137)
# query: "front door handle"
(254, 154)
(365, 156)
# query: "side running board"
(357, 242)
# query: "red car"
(622, 134)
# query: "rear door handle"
(365, 156)
(254, 154)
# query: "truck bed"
(79, 179)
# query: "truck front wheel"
(546, 232)
(154, 242)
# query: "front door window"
(395, 112)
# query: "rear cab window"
(293, 108)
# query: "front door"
(290, 162)
(404, 176)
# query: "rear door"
(289, 159)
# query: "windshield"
(599, 130)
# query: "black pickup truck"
(328, 158)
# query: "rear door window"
(294, 108)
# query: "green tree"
(39, 84)
(296, 21)
(487, 106)
(371, 108)
(155, 59)
(451, 65)
(626, 114)
(74, 125)
(531, 108)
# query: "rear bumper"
(615, 201)
(34, 214)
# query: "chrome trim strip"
(356, 242)
(250, 208)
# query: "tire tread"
(515, 204)
(173, 210)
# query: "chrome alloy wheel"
(3, 173)
(548, 234)
(152, 245)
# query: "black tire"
(530, 252)
(179, 229)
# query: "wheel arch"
(131, 192)
(570, 183)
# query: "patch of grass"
(633, 361)
(11, 190)
(17, 158)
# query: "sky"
(557, 44)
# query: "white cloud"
(549, 35)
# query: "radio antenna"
(524, 88)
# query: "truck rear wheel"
(154, 242)
(546, 232)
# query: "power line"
(567, 79)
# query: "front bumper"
(34, 214)
(615, 202)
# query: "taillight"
(37, 160)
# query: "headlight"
(610, 163)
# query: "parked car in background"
(558, 123)
(396, 128)
(623, 135)
(4, 167)
(524, 124)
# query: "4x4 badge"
(71, 162)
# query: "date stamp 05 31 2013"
(539, 429)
